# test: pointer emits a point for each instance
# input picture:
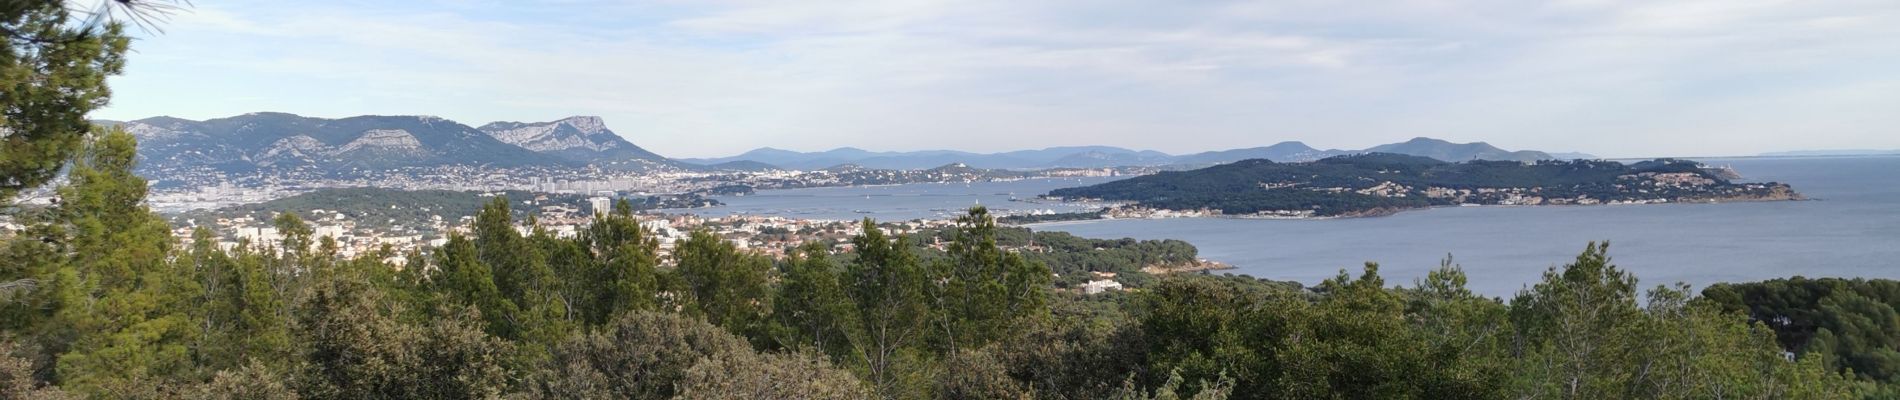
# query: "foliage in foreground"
(101, 302)
(1850, 324)
(126, 311)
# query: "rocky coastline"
(1193, 266)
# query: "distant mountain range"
(1054, 157)
(1457, 152)
(262, 141)
(1106, 156)
(268, 141)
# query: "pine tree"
(465, 280)
(521, 274)
(239, 314)
(623, 272)
(1584, 336)
(1571, 319)
(730, 287)
(984, 289)
(1206, 330)
(122, 302)
(53, 72)
(30, 262)
(810, 309)
(1466, 337)
(885, 284)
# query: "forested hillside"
(1381, 182)
(1073, 258)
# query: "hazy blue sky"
(709, 78)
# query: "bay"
(1851, 229)
(899, 202)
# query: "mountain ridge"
(267, 140)
(276, 140)
(1447, 151)
(1111, 156)
(581, 138)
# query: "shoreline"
(878, 185)
(1385, 212)
(1199, 265)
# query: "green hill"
(1375, 183)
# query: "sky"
(708, 78)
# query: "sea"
(1850, 228)
(903, 202)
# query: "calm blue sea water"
(1852, 230)
(898, 202)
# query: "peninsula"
(1382, 183)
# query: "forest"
(100, 301)
(1071, 258)
(1019, 219)
(1850, 323)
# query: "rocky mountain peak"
(392, 139)
(582, 138)
(558, 135)
(149, 132)
(585, 123)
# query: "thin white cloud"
(712, 78)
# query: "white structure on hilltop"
(600, 205)
(266, 236)
(1094, 287)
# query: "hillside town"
(770, 235)
(207, 189)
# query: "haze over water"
(1848, 231)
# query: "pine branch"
(13, 289)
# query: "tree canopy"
(119, 308)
